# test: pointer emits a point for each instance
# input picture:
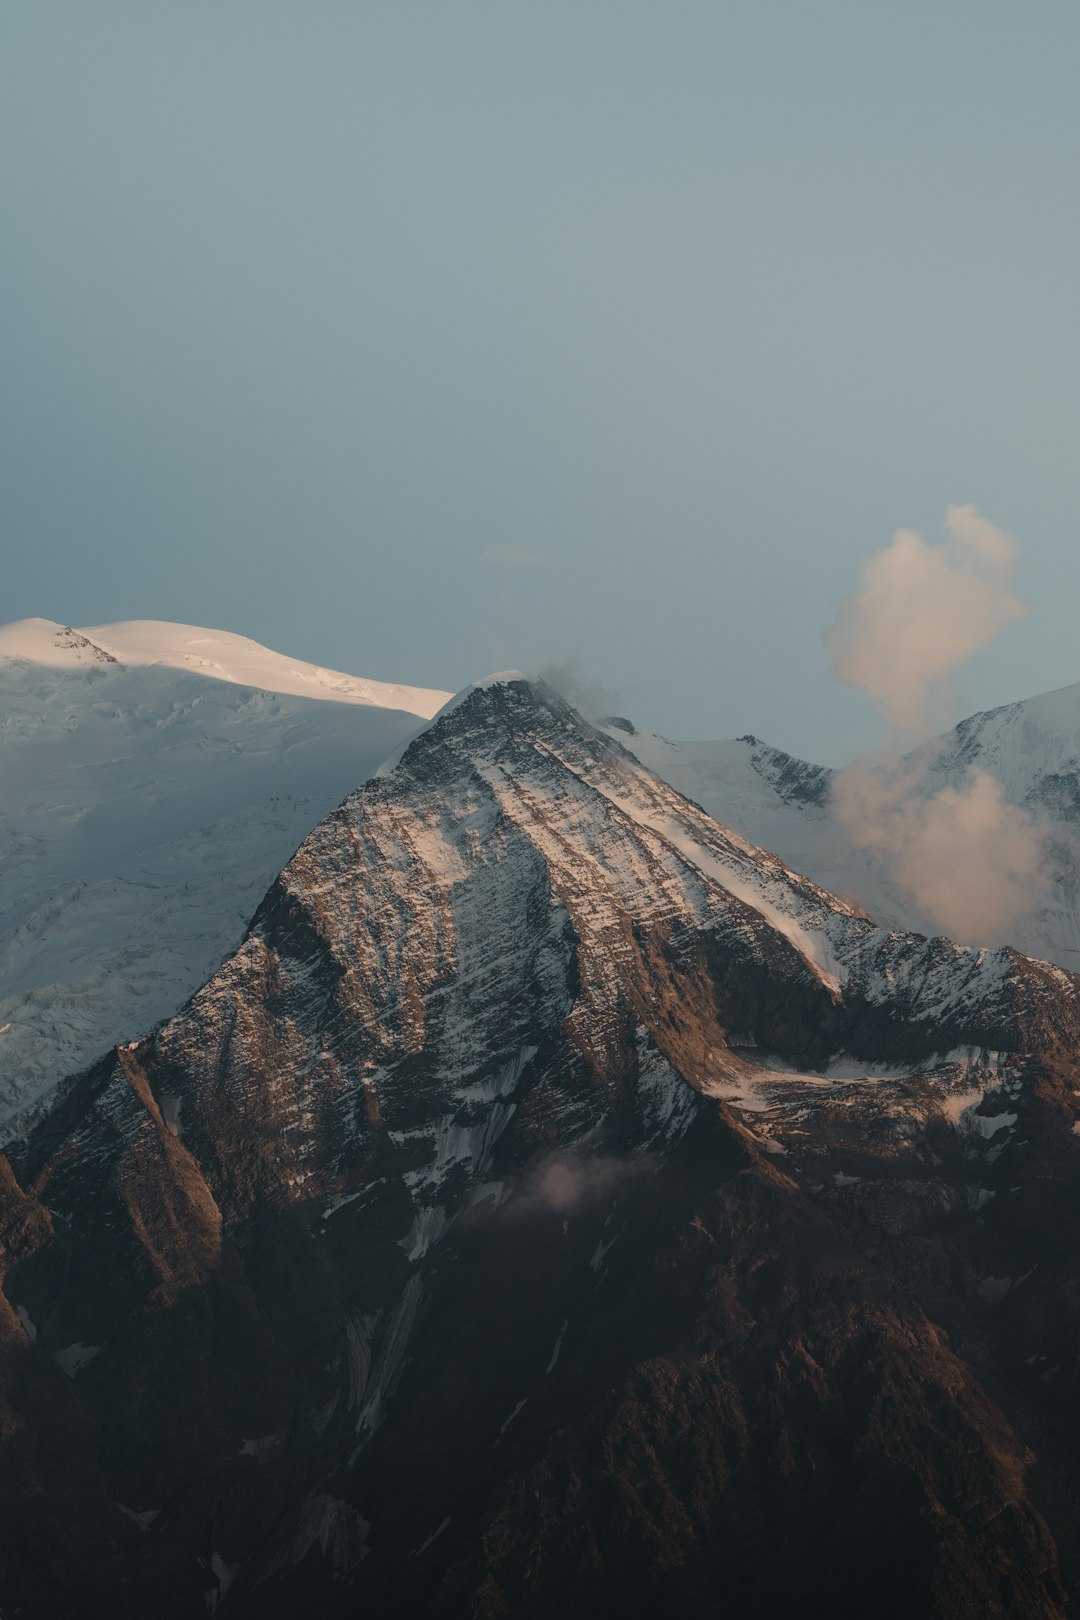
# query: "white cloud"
(921, 611)
(970, 861)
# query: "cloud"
(593, 698)
(567, 1183)
(970, 862)
(512, 556)
(920, 613)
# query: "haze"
(422, 340)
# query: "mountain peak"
(537, 1123)
(214, 654)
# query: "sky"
(425, 339)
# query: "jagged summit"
(508, 710)
(507, 677)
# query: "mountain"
(1032, 748)
(153, 780)
(154, 777)
(556, 1205)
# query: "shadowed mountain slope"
(554, 1206)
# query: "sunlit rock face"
(555, 1205)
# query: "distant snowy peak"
(734, 779)
(154, 778)
(43, 641)
(142, 643)
(796, 781)
(1031, 747)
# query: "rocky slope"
(1032, 748)
(153, 780)
(555, 1206)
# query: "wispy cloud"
(970, 862)
(568, 1182)
(593, 698)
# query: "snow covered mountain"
(555, 1205)
(1031, 747)
(153, 779)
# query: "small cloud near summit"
(567, 677)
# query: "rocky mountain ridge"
(554, 1205)
(155, 777)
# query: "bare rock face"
(554, 1206)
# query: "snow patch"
(263, 1445)
(170, 1113)
(389, 1361)
(992, 1290)
(600, 1251)
(558, 1346)
(434, 1536)
(507, 1422)
(224, 1574)
(144, 1520)
(74, 1357)
(341, 1200)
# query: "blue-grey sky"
(418, 339)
